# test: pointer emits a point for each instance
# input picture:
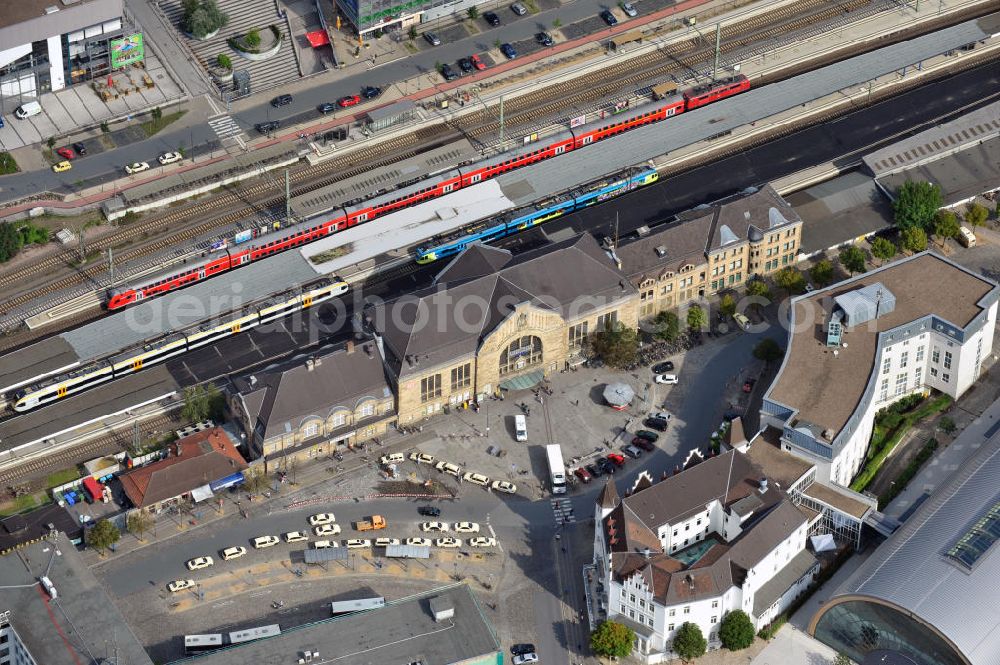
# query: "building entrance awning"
(523, 382)
(202, 493)
(318, 38)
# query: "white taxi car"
(448, 542)
(466, 527)
(476, 479)
(433, 526)
(200, 562)
(321, 518)
(296, 536)
(327, 530)
(260, 542)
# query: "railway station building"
(712, 248)
(855, 347)
(310, 406)
(493, 322)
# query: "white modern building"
(718, 536)
(46, 45)
(913, 325)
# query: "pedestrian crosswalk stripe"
(224, 126)
(563, 511)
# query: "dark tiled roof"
(292, 391)
(19, 530)
(448, 322)
(199, 459)
(476, 261)
(680, 243)
(763, 211)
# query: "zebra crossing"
(563, 511)
(224, 126)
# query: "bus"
(557, 470)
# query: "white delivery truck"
(557, 470)
(27, 110)
(520, 427)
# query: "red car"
(66, 153)
(748, 385)
(350, 100)
(477, 62)
(617, 459)
(582, 474)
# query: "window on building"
(631, 614)
(946, 378)
(310, 431)
(715, 604)
(430, 387)
(687, 609)
(368, 409)
(523, 352)
(947, 359)
(672, 612)
(900, 384)
(715, 619)
(461, 377)
(623, 610)
(642, 603)
(903, 359)
(918, 376)
(886, 365)
(934, 371)
(631, 598)
(883, 393)
(936, 355)
(339, 419)
(670, 626)
(675, 533)
(606, 320)
(577, 335)
(920, 354)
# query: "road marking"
(224, 126)
(563, 511)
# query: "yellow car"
(62, 166)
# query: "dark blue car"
(508, 51)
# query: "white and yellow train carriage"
(175, 344)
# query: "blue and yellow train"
(526, 218)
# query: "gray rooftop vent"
(865, 304)
(775, 218)
(661, 251)
(51, 9)
(726, 235)
(442, 608)
(746, 215)
(642, 231)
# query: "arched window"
(521, 353)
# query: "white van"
(966, 236)
(520, 427)
(27, 110)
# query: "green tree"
(822, 272)
(696, 317)
(737, 631)
(157, 113)
(103, 535)
(947, 425)
(138, 523)
(768, 350)
(842, 659)
(196, 404)
(254, 480)
(689, 643)
(790, 279)
(916, 204)
(852, 258)
(556, 23)
(945, 225)
(612, 640)
(757, 287)
(190, 6)
(617, 344)
(883, 249)
(473, 12)
(252, 39)
(224, 61)
(412, 32)
(668, 325)
(51, 142)
(10, 241)
(914, 239)
(202, 17)
(727, 305)
(976, 215)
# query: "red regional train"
(429, 188)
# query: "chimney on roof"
(661, 251)
(621, 283)
(349, 346)
(310, 363)
(762, 484)
(689, 578)
(253, 380)
(645, 553)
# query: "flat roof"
(840, 210)
(825, 388)
(81, 626)
(782, 467)
(50, 355)
(840, 501)
(404, 631)
(19, 11)
(960, 175)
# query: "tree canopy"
(689, 643)
(138, 523)
(696, 317)
(883, 249)
(946, 225)
(103, 535)
(914, 239)
(916, 204)
(10, 241)
(618, 345)
(852, 258)
(757, 287)
(976, 215)
(727, 305)
(668, 325)
(202, 17)
(790, 279)
(737, 630)
(202, 402)
(768, 350)
(612, 640)
(822, 272)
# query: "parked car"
(296, 536)
(448, 73)
(519, 9)
(136, 167)
(520, 649)
(617, 459)
(645, 444)
(357, 543)
(392, 458)
(322, 518)
(419, 542)
(594, 470)
(434, 526)
(260, 542)
(66, 153)
(525, 659)
(477, 62)
(582, 474)
(326, 107)
(233, 553)
(200, 562)
(504, 486)
(476, 479)
(649, 436)
(465, 65)
(80, 148)
(180, 585)
(508, 51)
(385, 542)
(281, 100)
(348, 100)
(324, 544)
(665, 366)
(466, 527)
(432, 39)
(448, 542)
(421, 458)
(668, 379)
(656, 423)
(429, 511)
(748, 385)
(742, 321)
(267, 127)
(662, 415)
(169, 158)
(632, 451)
(482, 541)
(629, 9)
(608, 17)
(61, 166)
(327, 529)
(492, 19)
(449, 468)
(545, 39)
(371, 91)
(606, 465)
